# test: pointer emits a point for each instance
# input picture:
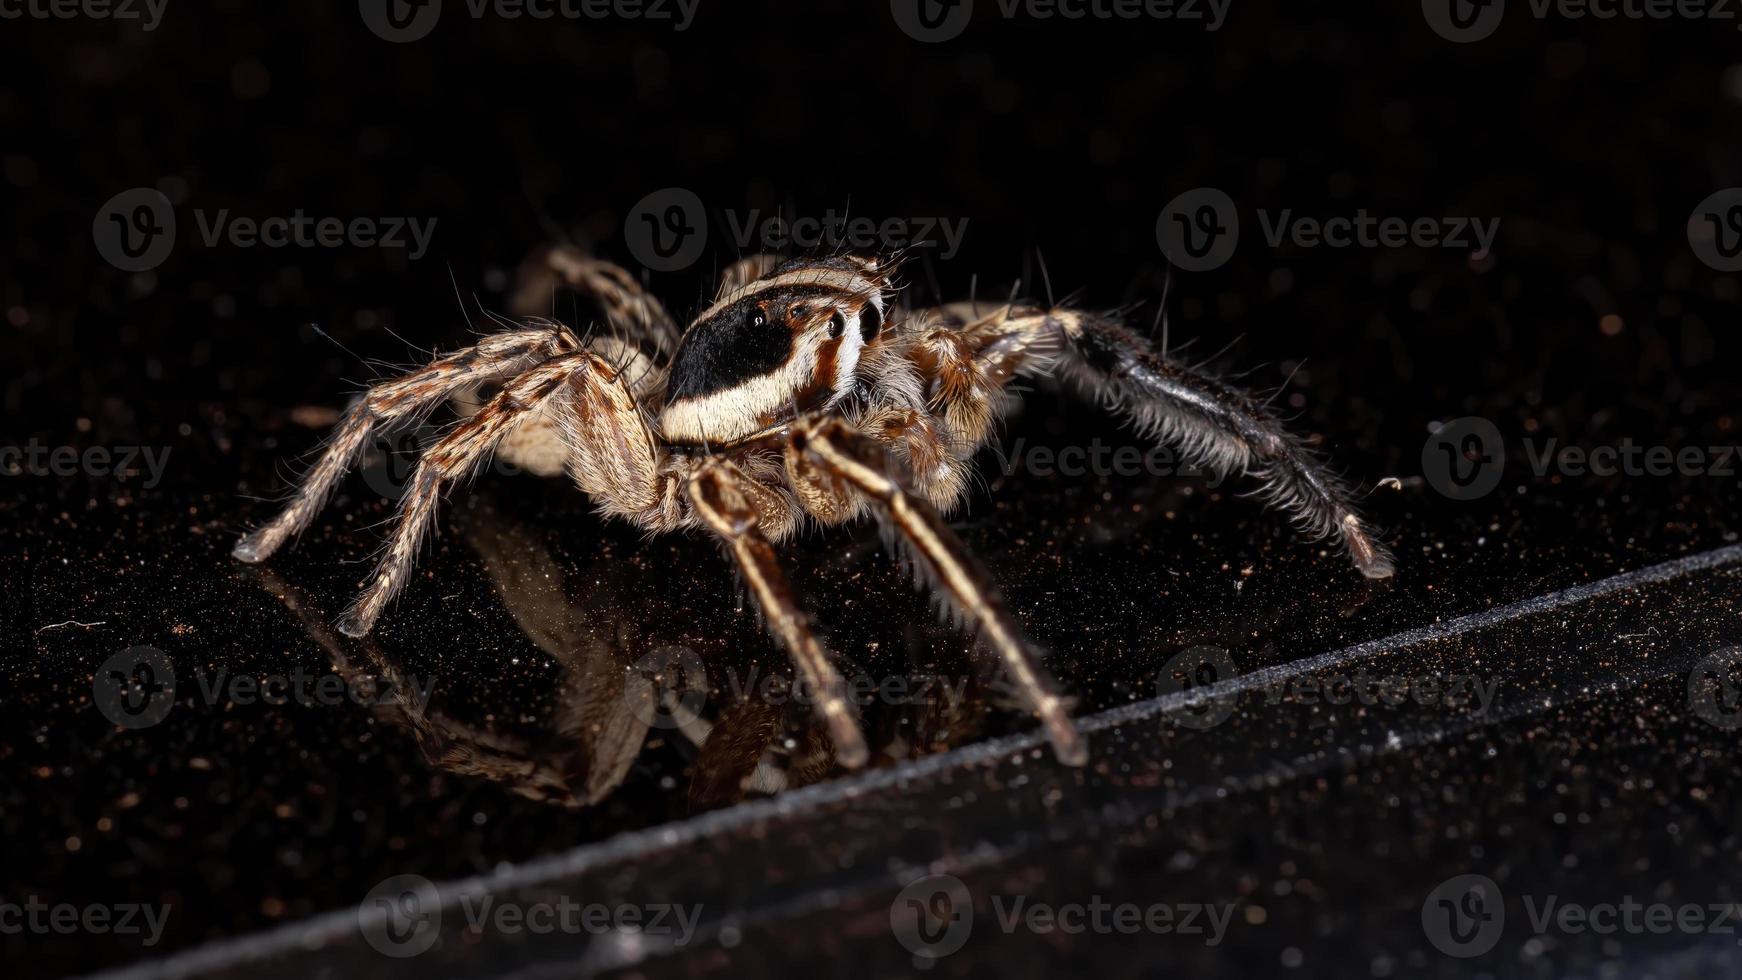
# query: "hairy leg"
(746, 271)
(1215, 424)
(628, 308)
(719, 493)
(860, 462)
(397, 401)
(574, 377)
(1218, 425)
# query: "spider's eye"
(758, 320)
(870, 321)
(837, 324)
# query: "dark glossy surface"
(1594, 780)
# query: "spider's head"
(791, 339)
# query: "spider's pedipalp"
(397, 401)
(861, 462)
(718, 492)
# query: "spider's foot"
(250, 549)
(1370, 556)
(353, 625)
(1067, 742)
(849, 742)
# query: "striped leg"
(627, 307)
(722, 497)
(574, 377)
(858, 460)
(400, 400)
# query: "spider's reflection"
(629, 677)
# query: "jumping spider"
(802, 393)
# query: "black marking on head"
(749, 338)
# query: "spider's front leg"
(725, 499)
(1216, 425)
(843, 455)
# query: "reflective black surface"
(513, 724)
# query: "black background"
(1591, 142)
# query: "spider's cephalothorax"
(766, 351)
(803, 393)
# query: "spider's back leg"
(394, 402)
